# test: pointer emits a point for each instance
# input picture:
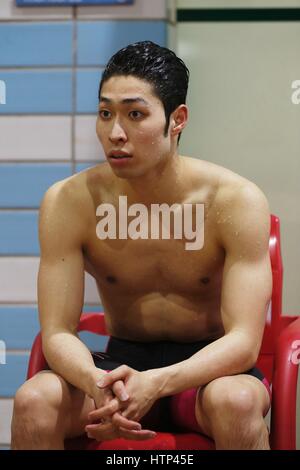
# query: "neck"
(165, 183)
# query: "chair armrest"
(37, 361)
(283, 416)
(93, 322)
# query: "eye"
(136, 114)
(104, 114)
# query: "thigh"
(48, 390)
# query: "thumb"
(106, 380)
(120, 390)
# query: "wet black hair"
(167, 73)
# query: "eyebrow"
(136, 99)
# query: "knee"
(223, 398)
(34, 411)
(28, 401)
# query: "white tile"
(91, 295)
(18, 279)
(6, 409)
(87, 145)
(35, 138)
(9, 11)
(140, 9)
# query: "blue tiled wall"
(39, 44)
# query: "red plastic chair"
(278, 360)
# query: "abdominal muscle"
(162, 317)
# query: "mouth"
(118, 155)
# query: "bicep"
(61, 271)
(246, 292)
(247, 275)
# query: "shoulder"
(244, 214)
(238, 194)
(239, 208)
(69, 204)
(76, 190)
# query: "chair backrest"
(274, 322)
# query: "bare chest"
(141, 266)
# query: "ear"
(178, 119)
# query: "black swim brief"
(177, 411)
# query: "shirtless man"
(186, 325)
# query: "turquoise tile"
(87, 91)
(83, 166)
(20, 324)
(24, 184)
(97, 41)
(13, 374)
(37, 44)
(37, 92)
(19, 233)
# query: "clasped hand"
(127, 396)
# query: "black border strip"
(238, 14)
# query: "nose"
(117, 133)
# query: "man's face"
(131, 125)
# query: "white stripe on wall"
(91, 295)
(6, 409)
(87, 145)
(18, 281)
(35, 138)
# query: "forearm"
(67, 355)
(228, 355)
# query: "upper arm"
(247, 275)
(61, 272)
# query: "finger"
(117, 374)
(102, 432)
(121, 421)
(107, 396)
(108, 433)
(93, 429)
(94, 418)
(127, 424)
(120, 390)
(142, 435)
(105, 411)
